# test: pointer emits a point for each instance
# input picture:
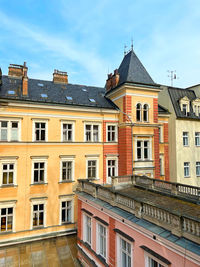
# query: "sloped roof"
(56, 93)
(132, 70)
(162, 110)
(176, 94)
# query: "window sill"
(187, 177)
(93, 179)
(39, 184)
(6, 232)
(66, 223)
(143, 160)
(66, 182)
(37, 227)
(8, 185)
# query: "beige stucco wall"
(190, 153)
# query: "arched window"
(138, 112)
(145, 112)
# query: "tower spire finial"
(125, 49)
(131, 44)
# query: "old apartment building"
(53, 133)
(138, 221)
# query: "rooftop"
(171, 206)
(48, 92)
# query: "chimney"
(115, 78)
(24, 80)
(15, 70)
(0, 77)
(109, 82)
(60, 77)
(20, 71)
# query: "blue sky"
(86, 37)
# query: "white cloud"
(63, 48)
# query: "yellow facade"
(23, 153)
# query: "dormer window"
(184, 109)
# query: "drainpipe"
(132, 124)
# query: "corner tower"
(133, 90)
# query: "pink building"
(140, 222)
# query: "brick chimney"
(60, 77)
(113, 80)
(25, 80)
(20, 71)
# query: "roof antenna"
(172, 75)
(125, 49)
(131, 44)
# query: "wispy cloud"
(64, 48)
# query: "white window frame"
(88, 158)
(85, 229)
(9, 129)
(116, 168)
(39, 160)
(119, 258)
(197, 168)
(185, 138)
(9, 160)
(38, 202)
(73, 130)
(116, 132)
(34, 129)
(160, 134)
(9, 204)
(186, 167)
(147, 110)
(67, 159)
(197, 137)
(92, 137)
(64, 199)
(148, 256)
(149, 140)
(162, 169)
(98, 224)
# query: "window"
(8, 173)
(198, 168)
(87, 229)
(92, 169)
(143, 150)
(139, 112)
(161, 166)
(66, 170)
(145, 112)
(91, 133)
(101, 240)
(125, 253)
(6, 219)
(197, 138)
(66, 211)
(186, 169)
(185, 139)
(184, 109)
(67, 131)
(39, 172)
(152, 263)
(111, 169)
(9, 130)
(111, 133)
(38, 215)
(40, 131)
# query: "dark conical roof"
(132, 70)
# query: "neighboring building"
(138, 222)
(53, 132)
(184, 133)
